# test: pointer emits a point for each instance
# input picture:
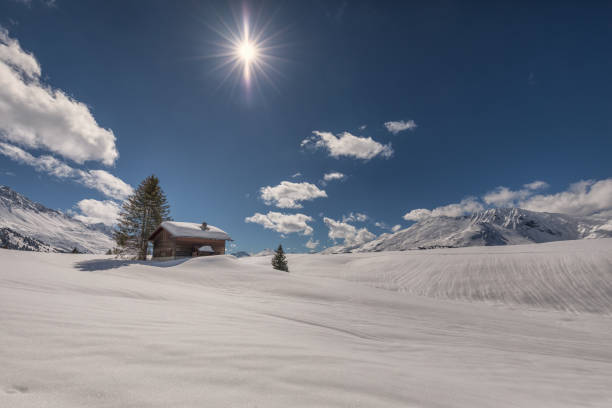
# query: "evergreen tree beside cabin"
(140, 215)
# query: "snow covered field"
(515, 326)
(564, 275)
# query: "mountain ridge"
(496, 226)
(29, 225)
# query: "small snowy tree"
(279, 260)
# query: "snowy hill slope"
(90, 331)
(574, 276)
(32, 226)
(499, 226)
(265, 252)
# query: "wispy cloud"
(311, 244)
(399, 126)
(355, 216)
(283, 223)
(346, 144)
(384, 226)
(348, 233)
(100, 180)
(536, 185)
(35, 115)
(289, 195)
(296, 175)
(335, 175)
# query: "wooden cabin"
(173, 240)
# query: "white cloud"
(347, 232)
(584, 198)
(398, 126)
(466, 206)
(354, 216)
(335, 175)
(35, 115)
(311, 244)
(587, 197)
(363, 127)
(100, 180)
(346, 144)
(384, 226)
(504, 197)
(298, 174)
(283, 223)
(12, 55)
(95, 211)
(105, 182)
(417, 214)
(288, 194)
(536, 185)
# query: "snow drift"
(90, 331)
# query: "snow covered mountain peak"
(496, 226)
(12, 199)
(28, 225)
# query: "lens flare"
(246, 51)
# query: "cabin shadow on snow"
(106, 264)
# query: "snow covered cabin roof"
(191, 230)
(206, 248)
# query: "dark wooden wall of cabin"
(164, 245)
(185, 246)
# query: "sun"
(247, 52)
(246, 48)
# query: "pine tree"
(141, 214)
(279, 261)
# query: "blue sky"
(494, 97)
